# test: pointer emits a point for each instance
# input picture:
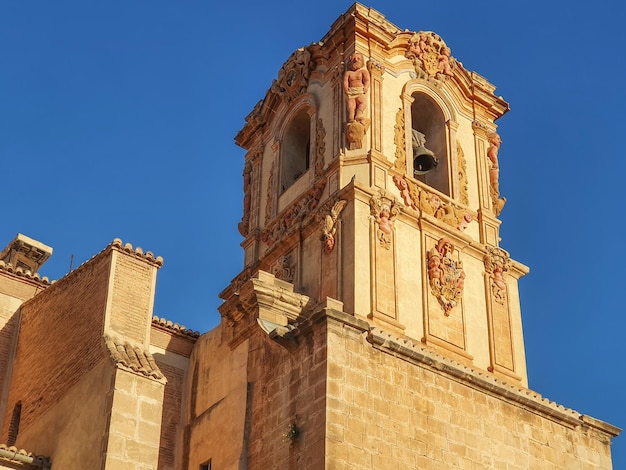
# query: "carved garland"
(463, 181)
(430, 203)
(293, 215)
(321, 147)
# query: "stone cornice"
(521, 397)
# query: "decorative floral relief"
(269, 199)
(430, 55)
(463, 181)
(399, 139)
(321, 147)
(329, 225)
(445, 275)
(430, 203)
(497, 263)
(383, 210)
(294, 214)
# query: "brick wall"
(59, 340)
(14, 290)
(171, 418)
(130, 309)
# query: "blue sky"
(117, 119)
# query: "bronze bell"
(424, 160)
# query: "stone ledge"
(525, 398)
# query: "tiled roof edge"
(26, 274)
(132, 358)
(175, 327)
(13, 454)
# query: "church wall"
(61, 331)
(217, 385)
(133, 436)
(388, 411)
(171, 350)
(71, 432)
(287, 390)
(13, 291)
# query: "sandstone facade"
(376, 321)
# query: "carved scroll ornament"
(445, 275)
(293, 77)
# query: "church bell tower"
(376, 321)
(371, 178)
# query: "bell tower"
(376, 321)
(372, 178)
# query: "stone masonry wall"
(132, 442)
(385, 411)
(289, 387)
(60, 340)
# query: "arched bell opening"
(429, 147)
(295, 149)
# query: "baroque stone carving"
(399, 139)
(430, 203)
(243, 226)
(293, 77)
(462, 169)
(431, 57)
(285, 268)
(383, 210)
(497, 263)
(321, 147)
(356, 82)
(494, 186)
(445, 275)
(269, 195)
(329, 225)
(293, 215)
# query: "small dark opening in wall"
(14, 427)
(205, 466)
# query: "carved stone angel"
(329, 225)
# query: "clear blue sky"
(117, 119)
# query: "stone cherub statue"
(356, 82)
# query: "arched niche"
(296, 131)
(429, 113)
